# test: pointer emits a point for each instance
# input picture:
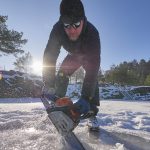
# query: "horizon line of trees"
(128, 73)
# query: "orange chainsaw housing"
(66, 101)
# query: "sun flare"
(37, 67)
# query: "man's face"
(73, 30)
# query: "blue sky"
(124, 27)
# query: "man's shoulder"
(57, 25)
(57, 30)
(91, 31)
(91, 27)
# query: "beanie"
(71, 11)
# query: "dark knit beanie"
(71, 11)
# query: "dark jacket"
(87, 45)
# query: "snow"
(24, 75)
(24, 125)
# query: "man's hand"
(85, 109)
(83, 106)
(49, 93)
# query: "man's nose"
(72, 29)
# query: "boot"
(93, 124)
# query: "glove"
(82, 106)
(49, 93)
(94, 109)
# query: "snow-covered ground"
(124, 125)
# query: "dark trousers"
(70, 64)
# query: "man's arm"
(51, 54)
(92, 65)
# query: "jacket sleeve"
(91, 66)
(51, 54)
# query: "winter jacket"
(86, 46)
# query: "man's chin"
(73, 38)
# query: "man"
(81, 39)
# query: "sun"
(37, 67)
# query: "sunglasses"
(74, 25)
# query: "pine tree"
(10, 40)
(24, 63)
